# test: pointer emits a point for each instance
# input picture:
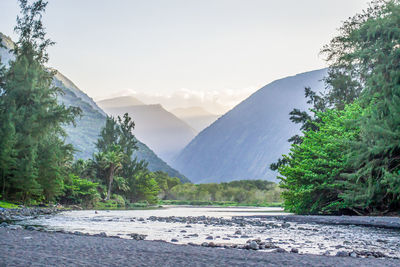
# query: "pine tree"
(29, 105)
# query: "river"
(228, 226)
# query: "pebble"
(209, 238)
(294, 250)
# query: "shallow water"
(307, 238)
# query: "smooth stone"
(253, 245)
(209, 238)
(174, 240)
(294, 250)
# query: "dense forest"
(348, 158)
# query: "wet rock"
(238, 232)
(212, 245)
(193, 235)
(253, 245)
(294, 250)
(280, 250)
(183, 231)
(353, 255)
(270, 245)
(137, 236)
(103, 234)
(141, 220)
(31, 228)
(14, 227)
(3, 224)
(204, 244)
(244, 236)
(188, 226)
(285, 225)
(342, 254)
(174, 240)
(209, 238)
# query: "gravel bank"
(384, 222)
(33, 248)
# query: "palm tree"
(111, 162)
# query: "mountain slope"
(87, 130)
(162, 131)
(245, 141)
(197, 117)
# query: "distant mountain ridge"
(87, 130)
(243, 143)
(197, 117)
(161, 130)
(121, 101)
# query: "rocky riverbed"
(34, 248)
(24, 213)
(273, 233)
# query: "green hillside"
(86, 132)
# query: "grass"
(8, 205)
(219, 203)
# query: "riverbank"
(25, 213)
(23, 247)
(369, 221)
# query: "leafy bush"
(80, 191)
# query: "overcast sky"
(167, 46)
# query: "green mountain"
(243, 143)
(86, 132)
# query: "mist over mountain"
(161, 130)
(214, 101)
(87, 130)
(121, 101)
(197, 117)
(245, 141)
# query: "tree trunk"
(110, 180)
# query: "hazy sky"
(167, 46)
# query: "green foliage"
(32, 116)
(143, 186)
(249, 192)
(218, 203)
(80, 191)
(312, 175)
(8, 205)
(350, 162)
